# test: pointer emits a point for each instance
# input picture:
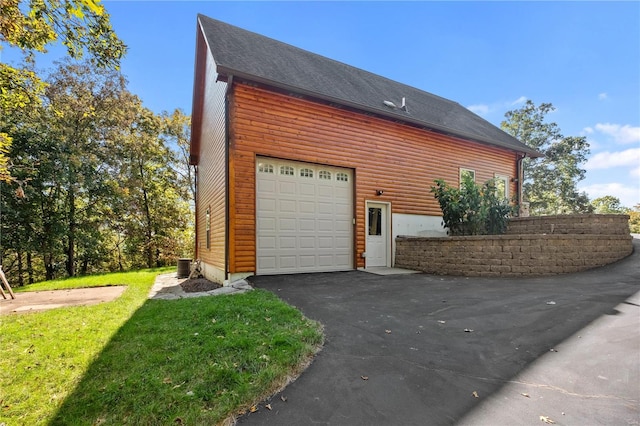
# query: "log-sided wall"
(211, 194)
(532, 246)
(401, 160)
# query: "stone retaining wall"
(598, 224)
(519, 254)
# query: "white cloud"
(602, 96)
(587, 131)
(620, 134)
(520, 100)
(629, 196)
(479, 109)
(608, 160)
(486, 109)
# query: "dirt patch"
(35, 301)
(197, 285)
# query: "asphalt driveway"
(431, 350)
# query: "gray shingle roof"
(264, 60)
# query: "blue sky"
(583, 57)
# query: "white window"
(207, 225)
(502, 186)
(325, 175)
(306, 173)
(287, 171)
(265, 168)
(342, 177)
(467, 172)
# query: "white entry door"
(377, 234)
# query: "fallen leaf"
(475, 394)
(364, 377)
(189, 393)
(551, 302)
(468, 330)
(267, 319)
(388, 331)
(546, 420)
(268, 407)
(525, 394)
(178, 421)
(167, 380)
(552, 350)
(442, 322)
(253, 409)
(177, 386)
(283, 398)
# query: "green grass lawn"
(140, 361)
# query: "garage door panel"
(304, 218)
(343, 243)
(265, 186)
(287, 225)
(307, 242)
(266, 205)
(324, 208)
(287, 262)
(342, 225)
(267, 263)
(308, 207)
(326, 242)
(287, 243)
(325, 191)
(287, 188)
(342, 209)
(266, 243)
(307, 261)
(286, 206)
(307, 189)
(326, 260)
(307, 225)
(267, 224)
(325, 225)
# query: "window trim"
(325, 175)
(265, 168)
(342, 177)
(506, 179)
(288, 168)
(306, 172)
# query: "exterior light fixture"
(379, 192)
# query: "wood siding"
(212, 170)
(401, 160)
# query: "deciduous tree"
(608, 205)
(550, 182)
(81, 25)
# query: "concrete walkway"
(428, 350)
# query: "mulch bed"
(197, 285)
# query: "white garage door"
(304, 217)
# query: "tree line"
(99, 182)
(550, 182)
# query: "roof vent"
(403, 107)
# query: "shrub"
(471, 209)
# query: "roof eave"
(225, 71)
